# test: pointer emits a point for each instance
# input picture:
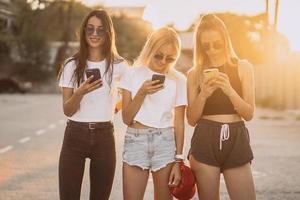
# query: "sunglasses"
(216, 45)
(160, 57)
(89, 30)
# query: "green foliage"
(5, 49)
(253, 38)
(57, 21)
(30, 43)
(131, 35)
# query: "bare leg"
(160, 181)
(134, 182)
(208, 180)
(239, 183)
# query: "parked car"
(9, 85)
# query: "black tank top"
(219, 103)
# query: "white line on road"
(52, 126)
(24, 140)
(40, 132)
(6, 149)
(257, 174)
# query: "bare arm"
(71, 99)
(179, 128)
(196, 100)
(132, 106)
(175, 175)
(243, 105)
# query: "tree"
(31, 45)
(131, 35)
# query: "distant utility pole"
(276, 14)
(267, 10)
(273, 15)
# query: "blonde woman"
(154, 113)
(220, 97)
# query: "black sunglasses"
(160, 57)
(90, 30)
(216, 45)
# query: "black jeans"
(80, 143)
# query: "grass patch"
(264, 117)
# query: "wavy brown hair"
(109, 48)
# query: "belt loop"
(92, 126)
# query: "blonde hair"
(157, 39)
(210, 22)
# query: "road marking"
(257, 174)
(24, 140)
(6, 149)
(52, 126)
(40, 132)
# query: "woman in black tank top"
(220, 97)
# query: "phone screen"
(209, 73)
(159, 77)
(95, 72)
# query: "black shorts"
(233, 152)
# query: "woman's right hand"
(208, 87)
(87, 87)
(150, 87)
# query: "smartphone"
(209, 73)
(159, 77)
(95, 72)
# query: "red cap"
(186, 188)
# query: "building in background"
(6, 15)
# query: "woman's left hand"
(175, 175)
(224, 83)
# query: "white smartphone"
(209, 73)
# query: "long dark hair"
(109, 48)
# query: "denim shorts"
(150, 149)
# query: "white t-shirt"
(98, 105)
(157, 109)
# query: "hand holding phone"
(211, 73)
(153, 85)
(95, 72)
(159, 77)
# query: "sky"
(183, 12)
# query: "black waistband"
(91, 125)
(215, 123)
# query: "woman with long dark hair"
(89, 103)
